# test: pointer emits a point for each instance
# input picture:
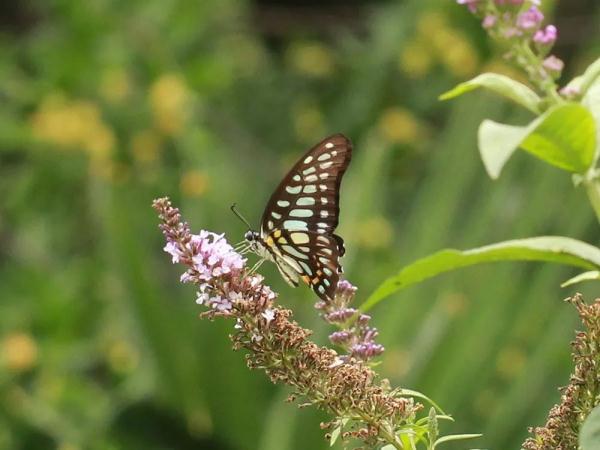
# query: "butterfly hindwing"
(298, 223)
(307, 255)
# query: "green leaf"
(497, 143)
(455, 437)
(335, 434)
(589, 436)
(585, 276)
(591, 101)
(500, 84)
(583, 82)
(543, 248)
(411, 393)
(564, 136)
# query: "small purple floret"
(530, 19)
(547, 36)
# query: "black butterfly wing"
(298, 223)
(308, 196)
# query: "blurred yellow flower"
(19, 352)
(375, 232)
(145, 146)
(194, 183)
(170, 103)
(415, 59)
(399, 126)
(430, 23)
(312, 59)
(115, 85)
(73, 124)
(122, 357)
(308, 121)
(510, 362)
(457, 53)
(436, 38)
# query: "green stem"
(592, 187)
(539, 74)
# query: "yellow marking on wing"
(282, 241)
(269, 241)
(314, 280)
(276, 233)
(306, 279)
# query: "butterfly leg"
(256, 266)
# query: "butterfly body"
(297, 226)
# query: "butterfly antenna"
(242, 218)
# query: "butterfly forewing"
(300, 218)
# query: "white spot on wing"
(324, 214)
(292, 251)
(296, 178)
(306, 268)
(301, 213)
(309, 189)
(283, 203)
(329, 145)
(309, 170)
(311, 178)
(323, 187)
(299, 238)
(294, 225)
(308, 159)
(276, 215)
(324, 176)
(326, 165)
(324, 157)
(305, 201)
(293, 189)
(323, 200)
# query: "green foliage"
(585, 81)
(502, 85)
(589, 435)
(564, 136)
(545, 248)
(106, 105)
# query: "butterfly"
(298, 223)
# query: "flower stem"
(538, 74)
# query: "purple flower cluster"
(214, 266)
(519, 22)
(359, 339)
(211, 258)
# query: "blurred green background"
(105, 105)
